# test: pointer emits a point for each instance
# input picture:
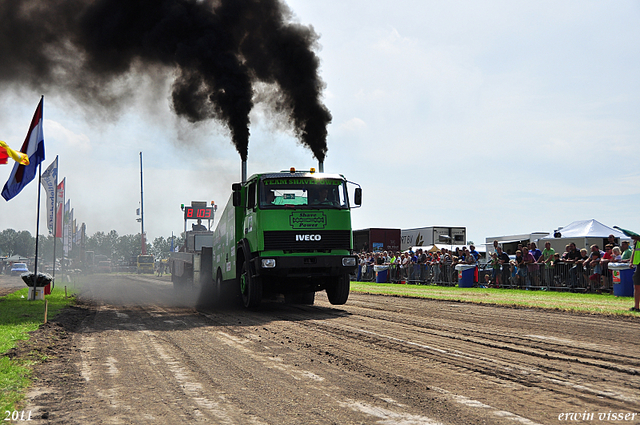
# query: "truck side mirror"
(237, 194)
(358, 196)
(251, 196)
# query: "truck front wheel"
(250, 287)
(338, 291)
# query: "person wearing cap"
(626, 252)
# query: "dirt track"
(139, 357)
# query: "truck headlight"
(268, 263)
(349, 261)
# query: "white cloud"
(505, 117)
(79, 143)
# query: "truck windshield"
(296, 192)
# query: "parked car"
(18, 268)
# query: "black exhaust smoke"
(217, 51)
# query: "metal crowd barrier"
(556, 277)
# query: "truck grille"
(307, 240)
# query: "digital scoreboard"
(204, 213)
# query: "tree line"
(112, 245)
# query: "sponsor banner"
(308, 220)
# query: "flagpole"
(143, 241)
(63, 266)
(55, 229)
(35, 267)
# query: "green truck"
(285, 233)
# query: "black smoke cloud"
(217, 51)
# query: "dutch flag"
(33, 147)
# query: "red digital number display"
(203, 212)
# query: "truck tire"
(250, 286)
(338, 291)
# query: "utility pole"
(142, 237)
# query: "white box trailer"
(428, 236)
(510, 243)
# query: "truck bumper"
(306, 267)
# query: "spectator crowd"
(574, 268)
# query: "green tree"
(161, 247)
(128, 246)
(20, 243)
(102, 244)
(7, 242)
(45, 250)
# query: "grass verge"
(565, 301)
(18, 317)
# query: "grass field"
(566, 301)
(18, 317)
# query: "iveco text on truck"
(286, 233)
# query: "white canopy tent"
(583, 233)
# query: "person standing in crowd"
(604, 263)
(596, 269)
(503, 259)
(546, 257)
(447, 261)
(571, 259)
(626, 252)
(474, 253)
(406, 263)
(519, 268)
(567, 250)
(635, 261)
(529, 261)
(495, 269)
(533, 249)
(583, 263)
(617, 254)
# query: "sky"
(503, 117)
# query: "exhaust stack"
(244, 171)
(321, 166)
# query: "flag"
(50, 182)
(70, 238)
(33, 147)
(59, 208)
(65, 228)
(628, 233)
(6, 152)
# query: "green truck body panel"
(283, 216)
